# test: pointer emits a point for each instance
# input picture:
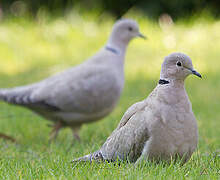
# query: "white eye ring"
(179, 63)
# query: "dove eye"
(130, 28)
(179, 63)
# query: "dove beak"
(141, 36)
(196, 73)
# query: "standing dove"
(82, 94)
(161, 126)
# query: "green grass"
(31, 50)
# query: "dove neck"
(119, 46)
(172, 82)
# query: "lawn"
(31, 50)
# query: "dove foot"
(76, 136)
(8, 138)
(75, 131)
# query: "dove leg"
(56, 128)
(75, 131)
(76, 136)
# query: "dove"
(160, 127)
(82, 94)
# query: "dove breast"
(172, 128)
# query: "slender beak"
(142, 36)
(196, 73)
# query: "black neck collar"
(163, 81)
(115, 51)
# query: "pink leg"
(56, 128)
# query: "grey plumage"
(85, 93)
(161, 126)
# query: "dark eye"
(179, 63)
(130, 28)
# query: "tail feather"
(15, 96)
(4, 95)
(83, 159)
(96, 156)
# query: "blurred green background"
(40, 38)
(117, 8)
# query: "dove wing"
(128, 139)
(130, 112)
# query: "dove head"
(177, 66)
(123, 31)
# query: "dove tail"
(2, 95)
(83, 159)
(15, 96)
(96, 156)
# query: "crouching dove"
(161, 126)
(82, 94)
